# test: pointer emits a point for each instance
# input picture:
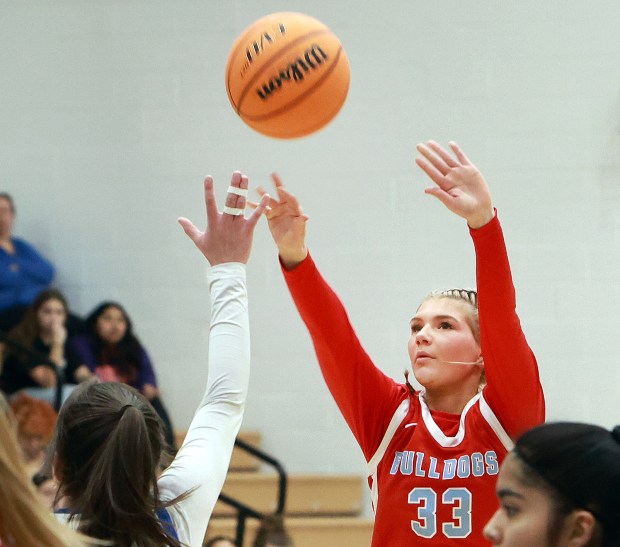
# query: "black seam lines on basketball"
(273, 62)
(301, 97)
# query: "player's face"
(440, 332)
(111, 325)
(524, 513)
(52, 312)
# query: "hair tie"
(615, 433)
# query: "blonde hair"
(467, 296)
(24, 520)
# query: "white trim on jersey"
(399, 415)
(374, 491)
(438, 435)
(495, 424)
(436, 432)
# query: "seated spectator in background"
(110, 350)
(272, 533)
(35, 425)
(24, 272)
(43, 332)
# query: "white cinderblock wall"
(112, 112)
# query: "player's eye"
(510, 510)
(416, 328)
(445, 325)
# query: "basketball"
(287, 75)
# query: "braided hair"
(469, 296)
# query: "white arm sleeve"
(202, 461)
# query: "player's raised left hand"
(459, 184)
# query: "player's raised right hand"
(287, 223)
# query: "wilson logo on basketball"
(258, 46)
(312, 59)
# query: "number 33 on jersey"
(442, 483)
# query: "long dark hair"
(27, 330)
(125, 354)
(108, 445)
(580, 465)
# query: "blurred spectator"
(110, 350)
(42, 334)
(24, 272)
(35, 425)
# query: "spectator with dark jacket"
(40, 336)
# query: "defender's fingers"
(210, 203)
(241, 193)
(237, 191)
(189, 228)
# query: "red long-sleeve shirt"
(432, 474)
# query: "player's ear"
(578, 528)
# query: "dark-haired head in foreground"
(560, 486)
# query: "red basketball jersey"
(432, 474)
(429, 486)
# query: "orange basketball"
(287, 75)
